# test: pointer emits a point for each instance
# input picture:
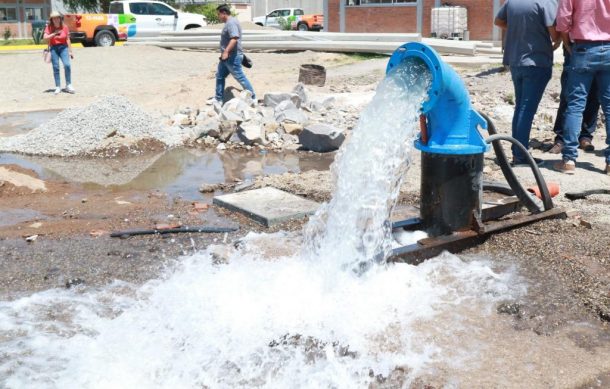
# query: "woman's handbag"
(246, 62)
(46, 54)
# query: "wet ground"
(566, 264)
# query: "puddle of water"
(9, 217)
(20, 122)
(178, 172)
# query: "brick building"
(407, 16)
(17, 15)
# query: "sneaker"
(556, 149)
(516, 163)
(586, 145)
(69, 89)
(57, 91)
(211, 101)
(567, 167)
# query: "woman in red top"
(58, 36)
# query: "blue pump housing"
(452, 123)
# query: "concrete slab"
(268, 206)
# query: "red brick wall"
(333, 15)
(380, 19)
(480, 17)
(404, 19)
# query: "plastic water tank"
(449, 22)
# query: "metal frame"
(497, 218)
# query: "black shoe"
(517, 163)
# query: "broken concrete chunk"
(321, 138)
(292, 116)
(181, 119)
(301, 91)
(273, 99)
(284, 106)
(251, 133)
(224, 131)
(293, 128)
(230, 116)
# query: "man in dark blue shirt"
(528, 50)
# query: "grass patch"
(17, 42)
(365, 56)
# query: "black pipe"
(522, 194)
(583, 195)
(121, 234)
(498, 187)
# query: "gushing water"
(353, 227)
(263, 319)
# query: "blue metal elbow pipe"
(452, 123)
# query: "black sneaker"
(517, 163)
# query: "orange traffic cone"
(553, 188)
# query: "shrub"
(284, 23)
(7, 33)
(207, 10)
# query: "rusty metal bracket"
(458, 241)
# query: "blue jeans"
(590, 63)
(529, 82)
(57, 52)
(589, 116)
(231, 66)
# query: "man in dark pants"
(589, 119)
(528, 50)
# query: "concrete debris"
(251, 133)
(292, 128)
(301, 91)
(284, 106)
(321, 138)
(292, 116)
(273, 99)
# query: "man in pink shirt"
(585, 30)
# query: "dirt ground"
(149, 76)
(72, 221)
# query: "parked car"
(154, 17)
(271, 19)
(100, 29)
(312, 22)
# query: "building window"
(33, 14)
(379, 2)
(8, 14)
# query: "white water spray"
(267, 320)
(353, 227)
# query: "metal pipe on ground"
(326, 46)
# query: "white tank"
(449, 22)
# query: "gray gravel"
(106, 123)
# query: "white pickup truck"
(271, 19)
(154, 17)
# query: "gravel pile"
(111, 122)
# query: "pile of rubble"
(287, 121)
(98, 129)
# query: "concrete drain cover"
(268, 206)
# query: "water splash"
(353, 227)
(249, 323)
(263, 319)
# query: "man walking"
(528, 50)
(231, 55)
(589, 119)
(585, 30)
